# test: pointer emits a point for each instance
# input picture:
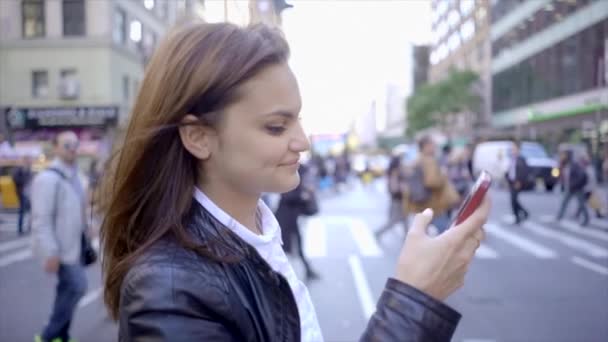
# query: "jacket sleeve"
(433, 178)
(43, 199)
(404, 313)
(161, 303)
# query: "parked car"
(495, 157)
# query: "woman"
(191, 253)
(291, 207)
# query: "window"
(73, 18)
(125, 87)
(163, 9)
(119, 30)
(40, 84)
(33, 18)
(69, 88)
(467, 30)
(135, 31)
(149, 4)
(466, 6)
(453, 18)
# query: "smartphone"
(474, 198)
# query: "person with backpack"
(574, 179)
(396, 214)
(58, 225)
(429, 186)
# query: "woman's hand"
(437, 265)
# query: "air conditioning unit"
(69, 89)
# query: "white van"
(495, 157)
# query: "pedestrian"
(516, 176)
(429, 186)
(191, 253)
(22, 177)
(574, 179)
(58, 223)
(292, 206)
(591, 188)
(396, 187)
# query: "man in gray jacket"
(58, 222)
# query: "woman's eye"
(275, 129)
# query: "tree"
(432, 103)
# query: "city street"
(535, 282)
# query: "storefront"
(31, 130)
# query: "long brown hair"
(147, 192)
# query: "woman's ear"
(195, 137)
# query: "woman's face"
(259, 138)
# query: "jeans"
(441, 222)
(24, 207)
(71, 286)
(396, 215)
(518, 210)
(582, 206)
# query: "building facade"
(461, 42)
(550, 70)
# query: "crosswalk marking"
(571, 241)
(14, 244)
(590, 232)
(90, 297)
(522, 243)
(485, 252)
(363, 291)
(364, 239)
(15, 257)
(590, 265)
(315, 239)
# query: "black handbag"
(88, 255)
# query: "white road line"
(15, 257)
(478, 340)
(570, 241)
(589, 232)
(522, 243)
(364, 238)
(315, 239)
(90, 297)
(365, 295)
(590, 265)
(485, 252)
(14, 244)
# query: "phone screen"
(474, 197)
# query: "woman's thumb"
(421, 222)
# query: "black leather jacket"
(174, 294)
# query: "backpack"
(418, 192)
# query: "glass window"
(149, 4)
(442, 6)
(33, 18)
(119, 30)
(467, 30)
(454, 42)
(40, 83)
(453, 18)
(135, 31)
(466, 6)
(73, 18)
(163, 9)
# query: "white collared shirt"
(268, 245)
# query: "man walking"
(574, 179)
(516, 177)
(22, 177)
(58, 222)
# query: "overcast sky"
(345, 53)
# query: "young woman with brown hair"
(191, 253)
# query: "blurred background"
(375, 77)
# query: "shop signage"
(32, 118)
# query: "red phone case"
(474, 198)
